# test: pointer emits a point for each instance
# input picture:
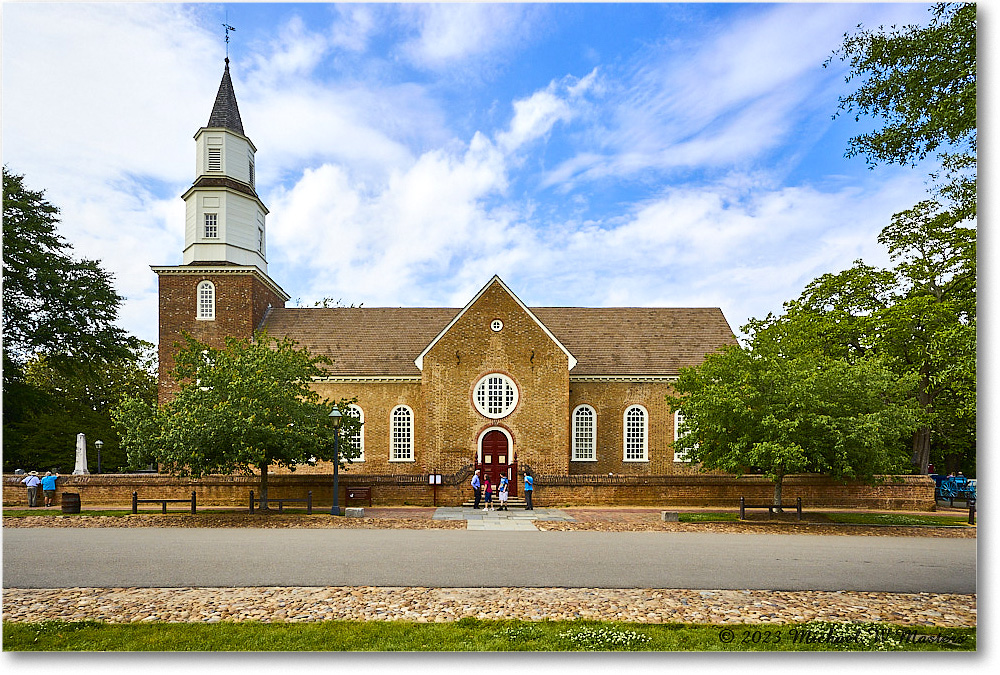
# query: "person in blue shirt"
(49, 487)
(477, 488)
(529, 488)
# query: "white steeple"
(225, 217)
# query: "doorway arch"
(495, 456)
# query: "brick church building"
(566, 391)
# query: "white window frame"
(205, 301)
(358, 439)
(211, 221)
(482, 396)
(679, 456)
(401, 451)
(644, 455)
(576, 456)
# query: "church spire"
(225, 113)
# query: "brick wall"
(896, 492)
(522, 351)
(241, 301)
(610, 400)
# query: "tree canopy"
(863, 355)
(65, 362)
(52, 303)
(245, 407)
(753, 409)
(920, 80)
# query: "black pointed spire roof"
(226, 113)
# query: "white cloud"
(450, 34)
(356, 24)
(535, 116)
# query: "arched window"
(402, 434)
(206, 301)
(635, 434)
(495, 396)
(584, 434)
(357, 440)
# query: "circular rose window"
(495, 396)
(496, 326)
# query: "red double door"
(497, 461)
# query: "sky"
(591, 155)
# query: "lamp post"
(335, 419)
(98, 445)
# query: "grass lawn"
(478, 635)
(901, 519)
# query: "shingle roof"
(384, 341)
(226, 113)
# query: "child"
(488, 494)
(502, 491)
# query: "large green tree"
(59, 316)
(68, 402)
(245, 407)
(754, 409)
(920, 82)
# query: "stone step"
(512, 503)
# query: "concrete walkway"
(517, 520)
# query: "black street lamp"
(98, 445)
(335, 419)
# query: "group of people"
(46, 482)
(482, 488)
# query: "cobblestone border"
(369, 603)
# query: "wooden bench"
(163, 502)
(359, 493)
(308, 501)
(770, 507)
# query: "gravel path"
(276, 604)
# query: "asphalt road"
(161, 557)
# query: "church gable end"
(497, 366)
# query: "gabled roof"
(498, 281)
(606, 341)
(225, 113)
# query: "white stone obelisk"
(81, 455)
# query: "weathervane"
(228, 28)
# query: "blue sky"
(589, 154)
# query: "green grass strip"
(899, 519)
(478, 635)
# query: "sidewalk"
(518, 520)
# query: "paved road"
(160, 557)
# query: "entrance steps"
(513, 503)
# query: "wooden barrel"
(70, 502)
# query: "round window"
(496, 326)
(495, 396)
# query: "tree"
(59, 316)
(921, 81)
(52, 303)
(245, 407)
(65, 403)
(753, 408)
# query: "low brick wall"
(894, 492)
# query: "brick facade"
(242, 299)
